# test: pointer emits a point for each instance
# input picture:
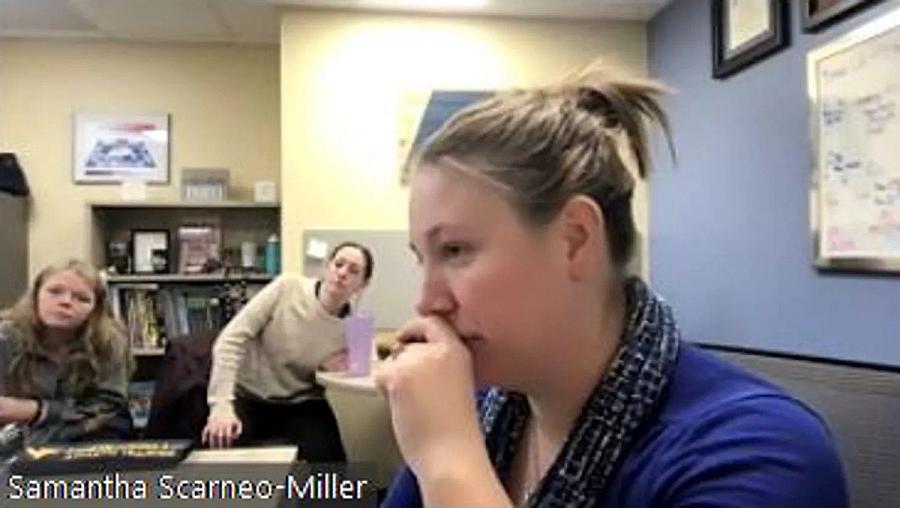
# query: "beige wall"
(223, 101)
(343, 77)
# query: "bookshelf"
(160, 307)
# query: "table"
(251, 455)
(365, 422)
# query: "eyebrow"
(347, 260)
(432, 232)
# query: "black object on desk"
(54, 459)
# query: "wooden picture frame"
(816, 15)
(746, 31)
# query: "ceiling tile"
(41, 15)
(251, 22)
(176, 20)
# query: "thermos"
(273, 256)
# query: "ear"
(582, 232)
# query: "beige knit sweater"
(272, 348)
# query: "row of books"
(154, 314)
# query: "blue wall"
(730, 245)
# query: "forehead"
(450, 198)
(350, 254)
(68, 279)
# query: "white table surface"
(252, 455)
(347, 382)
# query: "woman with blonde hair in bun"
(520, 216)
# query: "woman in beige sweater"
(262, 386)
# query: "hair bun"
(596, 103)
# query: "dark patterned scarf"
(618, 405)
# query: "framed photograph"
(199, 245)
(150, 250)
(854, 92)
(818, 14)
(745, 31)
(111, 148)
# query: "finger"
(396, 350)
(220, 438)
(428, 329)
(382, 376)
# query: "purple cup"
(359, 331)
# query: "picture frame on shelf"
(265, 191)
(816, 15)
(112, 148)
(745, 32)
(150, 250)
(204, 184)
(117, 256)
(200, 245)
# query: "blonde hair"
(100, 343)
(543, 146)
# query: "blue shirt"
(722, 438)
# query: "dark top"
(722, 437)
(97, 412)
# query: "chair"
(179, 409)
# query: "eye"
(55, 290)
(453, 251)
(83, 298)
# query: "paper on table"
(260, 455)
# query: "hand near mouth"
(430, 386)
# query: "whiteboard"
(854, 87)
(392, 292)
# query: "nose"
(65, 299)
(435, 298)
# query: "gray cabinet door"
(13, 248)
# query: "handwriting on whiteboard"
(858, 147)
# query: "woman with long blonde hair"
(64, 360)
